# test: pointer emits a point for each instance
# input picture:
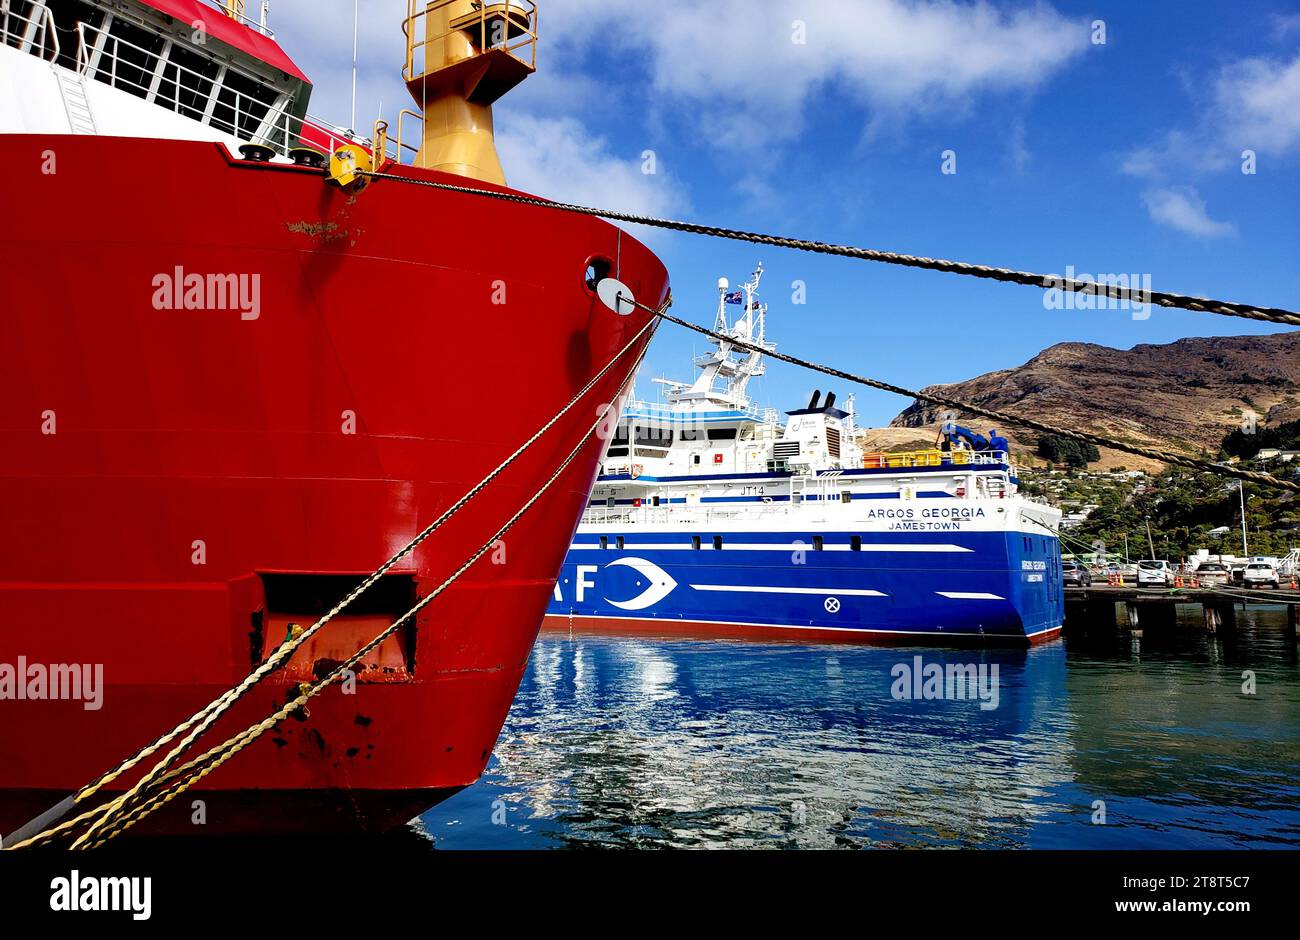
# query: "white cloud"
(737, 63)
(729, 66)
(734, 60)
(1183, 209)
(1258, 104)
(1252, 104)
(558, 159)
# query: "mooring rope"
(1151, 453)
(1006, 275)
(115, 822)
(203, 719)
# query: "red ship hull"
(201, 489)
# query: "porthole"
(597, 269)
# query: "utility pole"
(1150, 542)
(1126, 548)
(1241, 491)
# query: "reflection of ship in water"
(618, 741)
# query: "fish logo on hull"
(660, 583)
(657, 583)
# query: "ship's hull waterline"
(184, 484)
(815, 585)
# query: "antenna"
(356, 16)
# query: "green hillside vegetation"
(1063, 450)
(1183, 507)
(1283, 437)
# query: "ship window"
(187, 82)
(691, 434)
(722, 434)
(67, 14)
(609, 503)
(717, 543)
(819, 543)
(604, 541)
(654, 437)
(654, 500)
(846, 497)
(242, 105)
(616, 452)
(619, 542)
(696, 460)
(130, 58)
(855, 543)
(695, 541)
(16, 19)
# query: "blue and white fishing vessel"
(711, 518)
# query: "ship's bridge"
(659, 439)
(168, 69)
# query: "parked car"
(1259, 574)
(1213, 572)
(1074, 574)
(1154, 572)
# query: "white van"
(1155, 572)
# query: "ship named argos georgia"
(712, 517)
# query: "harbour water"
(639, 742)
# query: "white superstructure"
(706, 454)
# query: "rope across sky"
(1118, 292)
(1151, 453)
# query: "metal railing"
(679, 515)
(196, 95)
(23, 32)
(488, 26)
(396, 150)
(932, 458)
(657, 413)
(184, 91)
(235, 10)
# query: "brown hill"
(1183, 396)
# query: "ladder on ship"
(76, 102)
(798, 489)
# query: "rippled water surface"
(619, 741)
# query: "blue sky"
(1122, 157)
